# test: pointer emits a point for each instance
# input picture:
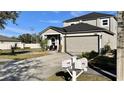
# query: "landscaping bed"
(105, 63)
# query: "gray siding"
(109, 40)
(76, 45)
(97, 22)
(91, 22)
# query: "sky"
(34, 22)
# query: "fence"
(8, 45)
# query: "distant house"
(7, 42)
(83, 34)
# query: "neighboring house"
(7, 42)
(83, 34)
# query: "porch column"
(49, 42)
(57, 43)
(62, 42)
(100, 43)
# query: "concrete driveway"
(33, 69)
(36, 68)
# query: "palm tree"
(120, 46)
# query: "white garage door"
(76, 45)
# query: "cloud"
(18, 30)
(51, 21)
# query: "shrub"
(93, 54)
(106, 49)
(114, 52)
(85, 54)
(18, 47)
(89, 55)
(27, 48)
(44, 45)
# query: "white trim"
(51, 34)
(83, 34)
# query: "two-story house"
(83, 34)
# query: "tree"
(29, 38)
(120, 46)
(7, 16)
(25, 38)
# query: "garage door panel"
(82, 44)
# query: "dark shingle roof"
(84, 28)
(58, 29)
(78, 28)
(90, 16)
(8, 39)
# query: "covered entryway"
(79, 44)
(53, 42)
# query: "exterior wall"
(97, 22)
(91, 22)
(112, 24)
(110, 40)
(79, 44)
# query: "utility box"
(81, 63)
(67, 63)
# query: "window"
(105, 22)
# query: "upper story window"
(105, 22)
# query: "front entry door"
(53, 46)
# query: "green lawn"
(82, 77)
(21, 54)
